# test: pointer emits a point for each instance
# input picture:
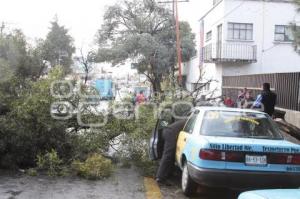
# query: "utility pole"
(177, 29)
(178, 43)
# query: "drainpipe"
(263, 35)
(201, 44)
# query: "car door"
(184, 135)
(156, 142)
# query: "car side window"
(190, 123)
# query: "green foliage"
(89, 141)
(146, 166)
(125, 163)
(94, 167)
(296, 29)
(143, 31)
(58, 47)
(135, 145)
(5, 71)
(18, 58)
(31, 172)
(50, 162)
(28, 128)
(138, 132)
(14, 58)
(296, 35)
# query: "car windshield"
(239, 124)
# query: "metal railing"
(229, 52)
(285, 85)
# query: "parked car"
(271, 194)
(235, 148)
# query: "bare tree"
(200, 85)
(86, 62)
(198, 94)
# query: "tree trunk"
(86, 78)
(157, 87)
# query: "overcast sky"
(81, 17)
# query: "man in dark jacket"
(169, 135)
(267, 98)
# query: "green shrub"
(125, 163)
(31, 172)
(140, 157)
(94, 167)
(50, 162)
(147, 167)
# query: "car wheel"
(188, 186)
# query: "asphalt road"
(124, 184)
(173, 190)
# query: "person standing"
(241, 98)
(266, 100)
(248, 100)
(228, 102)
(169, 136)
(140, 98)
(242, 94)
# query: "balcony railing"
(229, 52)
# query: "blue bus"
(106, 89)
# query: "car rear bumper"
(243, 179)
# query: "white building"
(244, 43)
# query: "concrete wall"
(211, 71)
(292, 117)
(272, 57)
(212, 20)
(198, 8)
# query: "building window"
(240, 31)
(208, 36)
(283, 33)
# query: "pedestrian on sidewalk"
(242, 94)
(228, 101)
(140, 98)
(266, 100)
(241, 98)
(248, 101)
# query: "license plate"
(256, 160)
